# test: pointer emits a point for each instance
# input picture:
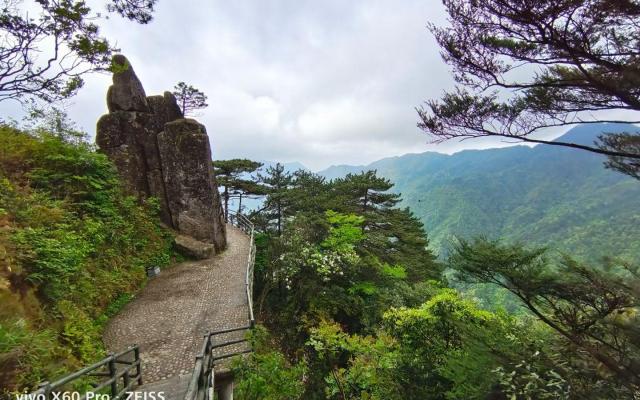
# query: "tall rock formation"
(160, 153)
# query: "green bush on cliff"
(73, 250)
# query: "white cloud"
(289, 80)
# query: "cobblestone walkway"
(172, 313)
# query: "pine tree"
(189, 98)
(48, 46)
(593, 309)
(365, 194)
(525, 66)
(278, 183)
(233, 175)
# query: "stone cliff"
(160, 153)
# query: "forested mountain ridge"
(586, 209)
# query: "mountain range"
(553, 196)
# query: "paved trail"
(172, 313)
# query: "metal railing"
(242, 222)
(116, 368)
(203, 380)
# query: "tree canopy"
(350, 291)
(189, 98)
(277, 183)
(45, 54)
(234, 176)
(524, 66)
(593, 309)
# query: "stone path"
(169, 318)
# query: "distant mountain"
(338, 171)
(546, 195)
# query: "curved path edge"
(170, 316)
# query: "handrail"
(242, 222)
(45, 389)
(202, 382)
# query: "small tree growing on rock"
(189, 98)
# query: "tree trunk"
(609, 362)
(365, 201)
(364, 208)
(279, 219)
(226, 204)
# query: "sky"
(318, 82)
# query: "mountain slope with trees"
(73, 251)
(586, 210)
(353, 305)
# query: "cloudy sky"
(319, 82)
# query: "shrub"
(73, 251)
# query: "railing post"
(226, 391)
(112, 375)
(136, 358)
(200, 358)
(212, 389)
(46, 388)
(126, 379)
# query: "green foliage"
(277, 184)
(370, 371)
(366, 191)
(346, 283)
(75, 251)
(232, 175)
(40, 38)
(394, 271)
(113, 308)
(337, 251)
(79, 333)
(585, 59)
(445, 346)
(590, 308)
(189, 98)
(52, 257)
(547, 196)
(313, 278)
(21, 346)
(345, 231)
(266, 374)
(526, 383)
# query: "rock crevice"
(159, 153)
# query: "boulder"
(164, 108)
(159, 153)
(117, 138)
(189, 180)
(129, 139)
(127, 92)
(189, 247)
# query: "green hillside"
(73, 251)
(585, 210)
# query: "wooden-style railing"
(119, 373)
